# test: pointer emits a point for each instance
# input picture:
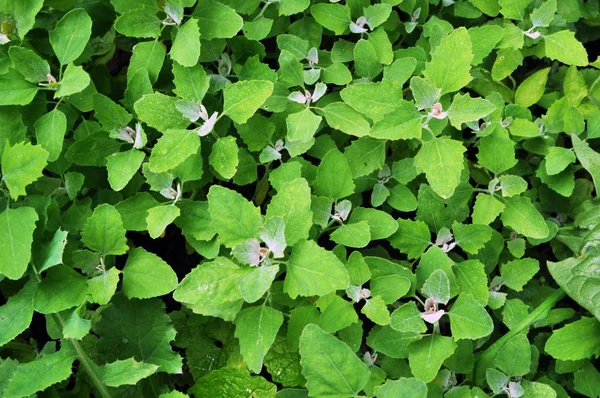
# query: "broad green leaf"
(33, 68)
(61, 288)
(242, 99)
(374, 100)
(437, 287)
(186, 46)
(211, 289)
(497, 151)
(126, 372)
(71, 35)
(190, 83)
(515, 274)
(330, 366)
(564, 47)
(31, 377)
(589, 159)
(381, 224)
(146, 275)
(403, 387)
(472, 279)
(366, 63)
(574, 86)
(424, 93)
(234, 382)
(303, 125)
(110, 114)
(291, 70)
(334, 177)
(172, 148)
(469, 319)
(471, 237)
(292, 203)
(442, 161)
(403, 124)
(314, 271)
(51, 253)
(234, 218)
(23, 13)
(512, 185)
(159, 111)
(577, 277)
(104, 232)
(412, 238)
(133, 211)
(335, 17)
(407, 319)
(484, 39)
(122, 166)
(514, 9)
(209, 11)
(531, 89)
(50, 131)
(486, 209)
(140, 23)
(352, 235)
(16, 314)
(140, 329)
(15, 90)
(523, 217)
(376, 310)
(425, 356)
(102, 288)
(159, 218)
(344, 118)
(147, 56)
(586, 382)
(257, 281)
(224, 157)
(466, 109)
(22, 164)
(74, 81)
(577, 340)
(365, 155)
(400, 70)
(451, 76)
(524, 128)
(290, 7)
(544, 14)
(514, 357)
(256, 329)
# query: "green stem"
(486, 359)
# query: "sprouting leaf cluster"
(299, 198)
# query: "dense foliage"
(292, 198)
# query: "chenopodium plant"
(294, 198)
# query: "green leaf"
(290, 7)
(466, 109)
(366, 63)
(472, 279)
(471, 237)
(22, 164)
(102, 287)
(334, 177)
(352, 235)
(190, 83)
(412, 238)
(512, 185)
(404, 124)
(224, 157)
(23, 13)
(159, 218)
(522, 216)
(257, 281)
(374, 100)
(515, 274)
(140, 23)
(16, 314)
(469, 319)
(407, 319)
(576, 277)
(484, 39)
(232, 382)
(147, 56)
(335, 17)
(172, 148)
(424, 93)
(15, 90)
(403, 387)
(589, 159)
(51, 253)
(514, 9)
(209, 11)
(497, 151)
(342, 374)
(122, 166)
(159, 111)
(577, 340)
(74, 81)
(486, 209)
(61, 288)
(234, 218)
(531, 89)
(381, 224)
(256, 329)
(344, 118)
(138, 329)
(126, 372)
(437, 287)
(292, 203)
(564, 47)
(33, 68)
(450, 76)
(242, 99)
(104, 232)
(211, 289)
(302, 126)
(186, 46)
(314, 271)
(376, 310)
(133, 211)
(50, 131)
(37, 375)
(442, 161)
(71, 35)
(587, 381)
(146, 275)
(425, 356)
(514, 357)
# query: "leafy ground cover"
(295, 198)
